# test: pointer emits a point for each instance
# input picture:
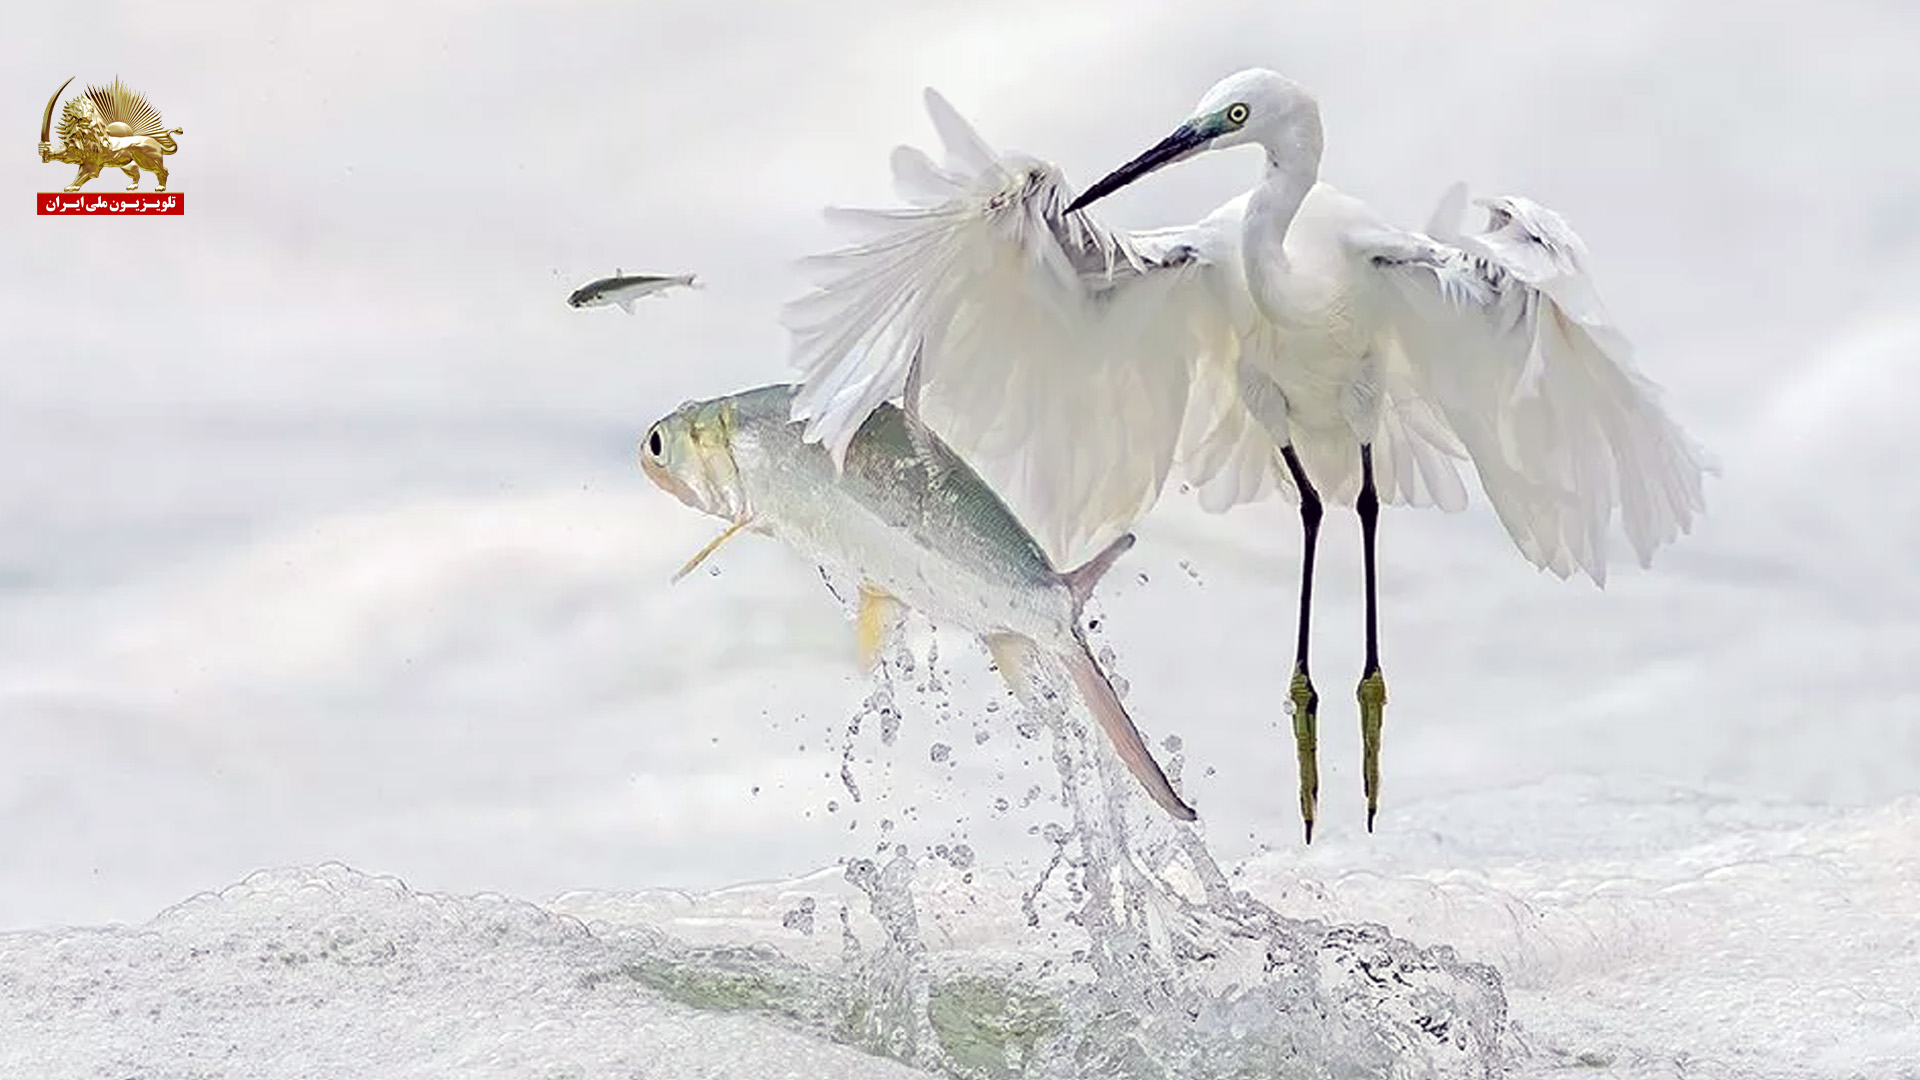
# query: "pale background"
(321, 536)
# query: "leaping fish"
(624, 289)
(910, 521)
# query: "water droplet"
(801, 917)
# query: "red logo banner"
(111, 203)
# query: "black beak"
(1186, 141)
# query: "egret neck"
(1293, 167)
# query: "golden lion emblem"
(109, 127)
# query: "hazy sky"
(320, 535)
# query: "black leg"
(1373, 688)
(1306, 700)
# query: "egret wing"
(1054, 354)
(1507, 337)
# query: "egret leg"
(1305, 699)
(1373, 688)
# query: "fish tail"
(1081, 579)
(1097, 691)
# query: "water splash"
(1126, 955)
(1134, 956)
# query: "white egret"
(1290, 341)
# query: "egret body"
(1291, 341)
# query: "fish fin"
(1013, 655)
(920, 437)
(712, 546)
(925, 446)
(910, 396)
(1081, 579)
(878, 613)
(625, 302)
(1105, 705)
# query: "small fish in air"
(624, 289)
(910, 521)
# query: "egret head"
(1254, 106)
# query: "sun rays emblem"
(109, 127)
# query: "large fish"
(912, 523)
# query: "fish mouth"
(1186, 141)
(664, 479)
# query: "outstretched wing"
(1054, 354)
(1508, 338)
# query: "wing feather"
(1508, 339)
(1055, 354)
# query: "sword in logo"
(46, 124)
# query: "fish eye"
(1237, 113)
(654, 445)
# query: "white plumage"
(1056, 354)
(1290, 340)
(1060, 356)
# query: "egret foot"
(1373, 706)
(1306, 708)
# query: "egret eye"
(654, 444)
(1236, 114)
